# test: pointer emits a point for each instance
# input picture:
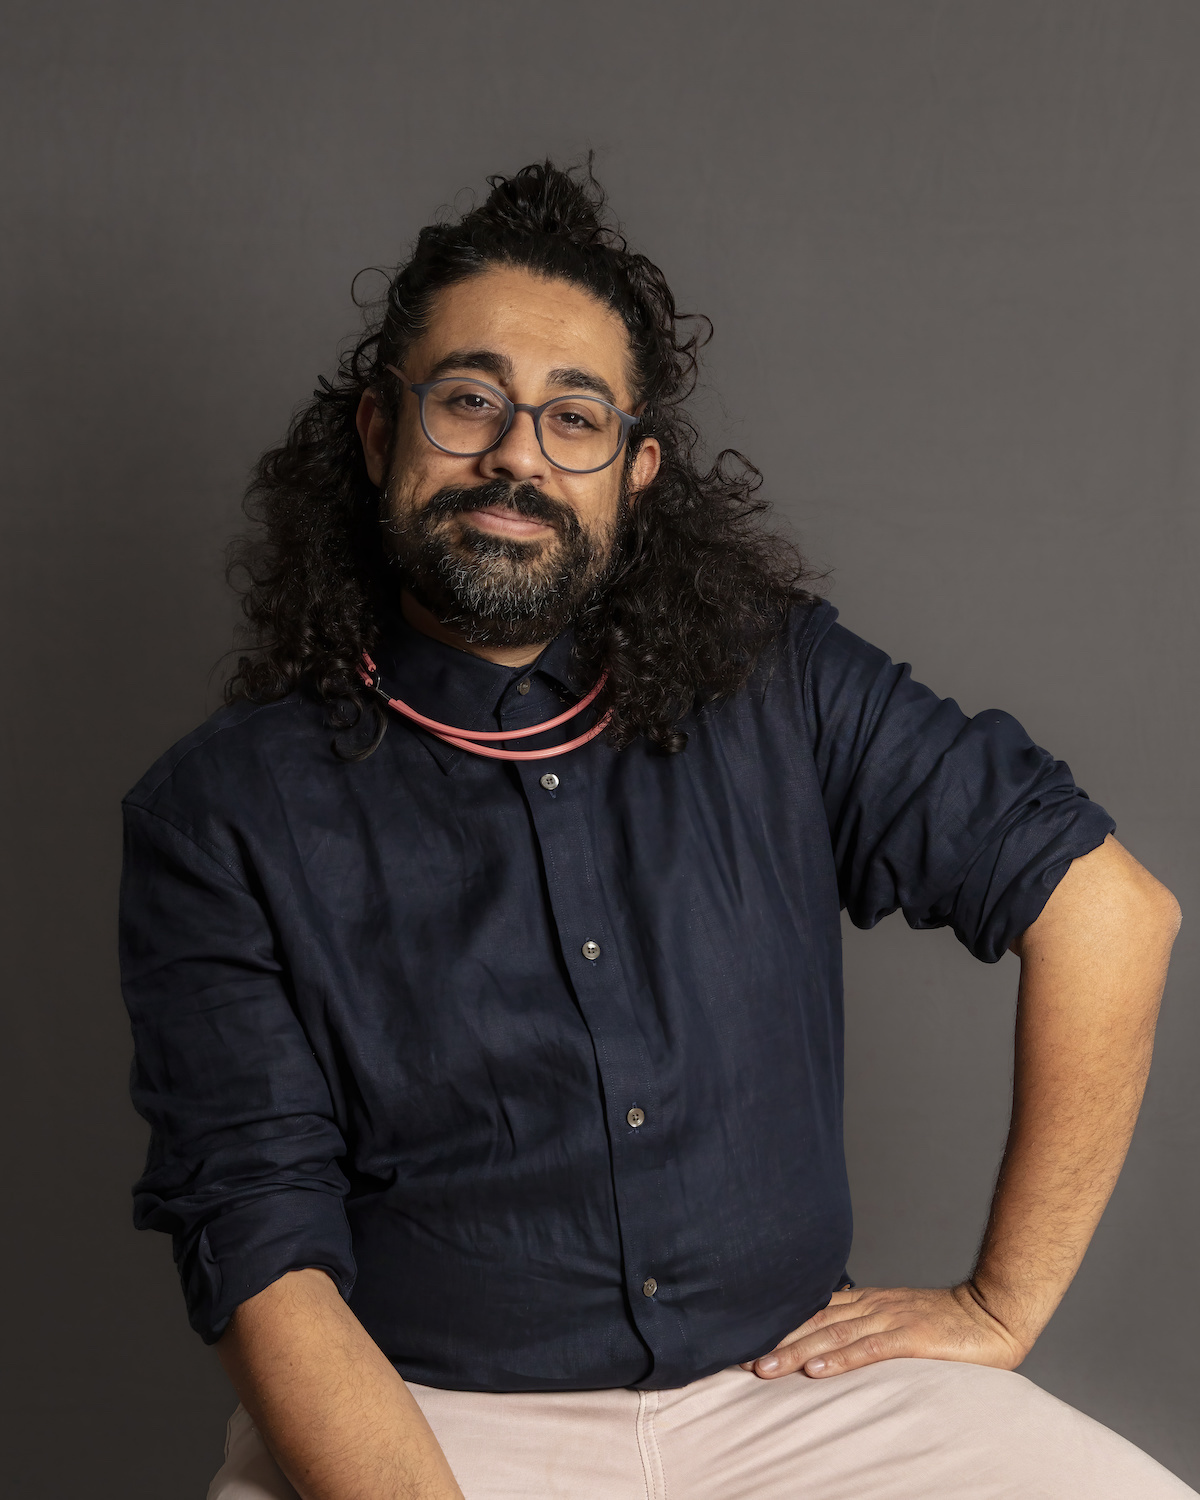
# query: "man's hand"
(871, 1323)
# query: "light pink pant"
(906, 1429)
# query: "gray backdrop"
(951, 253)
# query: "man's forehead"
(509, 318)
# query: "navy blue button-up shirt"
(392, 1017)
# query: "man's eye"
(471, 403)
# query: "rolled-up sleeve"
(956, 821)
(243, 1167)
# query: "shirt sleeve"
(242, 1168)
(958, 821)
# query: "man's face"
(505, 546)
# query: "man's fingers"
(836, 1312)
(893, 1344)
(821, 1342)
(841, 1305)
(838, 1307)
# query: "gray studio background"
(951, 252)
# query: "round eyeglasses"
(579, 434)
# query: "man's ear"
(375, 434)
(644, 467)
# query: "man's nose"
(519, 456)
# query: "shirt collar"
(456, 687)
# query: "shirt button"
(636, 1117)
(591, 950)
(649, 1287)
(549, 781)
(523, 687)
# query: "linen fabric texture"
(368, 1040)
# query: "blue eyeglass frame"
(422, 390)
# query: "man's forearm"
(339, 1419)
(1092, 973)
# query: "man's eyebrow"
(499, 366)
(582, 380)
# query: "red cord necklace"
(466, 739)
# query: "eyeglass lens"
(465, 418)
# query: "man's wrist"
(1021, 1313)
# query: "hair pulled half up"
(701, 587)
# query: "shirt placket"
(602, 964)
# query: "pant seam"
(653, 1476)
(661, 1474)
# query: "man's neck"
(428, 623)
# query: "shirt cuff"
(1008, 885)
(240, 1252)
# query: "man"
(483, 953)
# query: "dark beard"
(494, 590)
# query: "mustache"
(522, 498)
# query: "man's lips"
(501, 521)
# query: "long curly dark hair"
(701, 587)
